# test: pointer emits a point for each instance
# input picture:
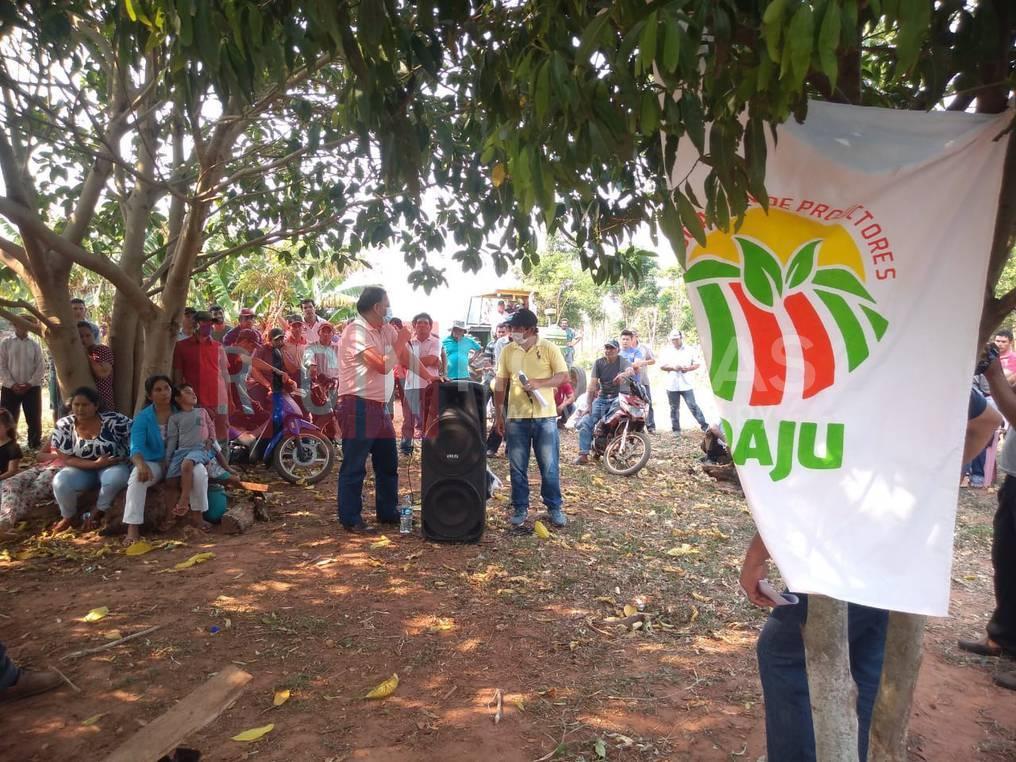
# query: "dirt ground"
(303, 606)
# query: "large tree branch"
(280, 162)
(21, 304)
(18, 320)
(30, 224)
(1002, 244)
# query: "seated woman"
(10, 452)
(22, 491)
(148, 448)
(100, 359)
(94, 446)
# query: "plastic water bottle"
(406, 516)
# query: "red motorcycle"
(620, 438)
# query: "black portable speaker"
(454, 464)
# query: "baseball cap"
(676, 335)
(294, 319)
(276, 333)
(612, 343)
(326, 326)
(458, 324)
(247, 312)
(522, 318)
(203, 316)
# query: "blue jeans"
(9, 671)
(540, 434)
(675, 409)
(70, 482)
(790, 736)
(367, 430)
(601, 408)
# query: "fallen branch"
(66, 679)
(107, 646)
(498, 713)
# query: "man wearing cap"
(677, 361)
(200, 362)
(458, 349)
(244, 321)
(186, 324)
(293, 347)
(532, 415)
(369, 350)
(219, 327)
(641, 357)
(426, 348)
(610, 376)
(321, 375)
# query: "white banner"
(838, 331)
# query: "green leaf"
(694, 120)
(131, 12)
(650, 117)
(647, 43)
(542, 100)
(829, 41)
(774, 12)
(591, 36)
(802, 264)
(691, 219)
(841, 279)
(711, 269)
(914, 23)
(772, 28)
(671, 45)
(600, 748)
(800, 41)
(670, 223)
(763, 276)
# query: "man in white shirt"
(311, 322)
(320, 379)
(678, 361)
(22, 371)
(426, 348)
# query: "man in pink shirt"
(426, 348)
(1006, 357)
(369, 350)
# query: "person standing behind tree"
(56, 400)
(368, 352)
(100, 359)
(458, 348)
(677, 361)
(571, 338)
(531, 424)
(187, 324)
(22, 370)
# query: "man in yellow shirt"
(532, 416)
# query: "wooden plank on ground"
(198, 708)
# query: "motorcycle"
(620, 438)
(298, 450)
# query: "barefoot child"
(190, 436)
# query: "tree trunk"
(239, 518)
(832, 688)
(896, 690)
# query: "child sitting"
(190, 436)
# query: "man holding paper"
(535, 367)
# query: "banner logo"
(783, 272)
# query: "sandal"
(181, 509)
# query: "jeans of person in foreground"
(367, 430)
(31, 402)
(1002, 626)
(790, 736)
(137, 492)
(675, 408)
(541, 436)
(601, 408)
(70, 482)
(9, 671)
(412, 417)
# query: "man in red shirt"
(1006, 357)
(200, 362)
(564, 400)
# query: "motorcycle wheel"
(303, 459)
(624, 456)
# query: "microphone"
(535, 394)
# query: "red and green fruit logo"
(779, 272)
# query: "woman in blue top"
(148, 449)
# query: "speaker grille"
(453, 511)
